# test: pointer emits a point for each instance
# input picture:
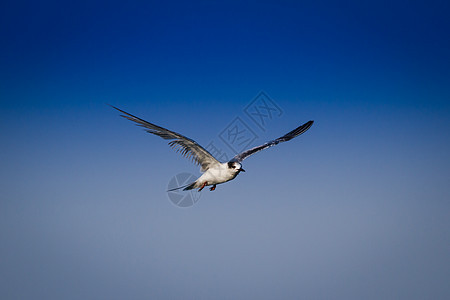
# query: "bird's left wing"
(188, 148)
(288, 136)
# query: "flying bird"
(215, 172)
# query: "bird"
(214, 172)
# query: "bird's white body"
(218, 174)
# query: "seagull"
(215, 172)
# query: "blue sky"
(356, 208)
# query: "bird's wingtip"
(110, 105)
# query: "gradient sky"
(356, 208)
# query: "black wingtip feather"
(297, 131)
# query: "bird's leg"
(212, 188)
(203, 185)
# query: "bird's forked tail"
(186, 187)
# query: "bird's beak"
(241, 170)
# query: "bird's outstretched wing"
(187, 147)
(288, 136)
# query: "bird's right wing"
(188, 148)
(288, 136)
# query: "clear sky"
(356, 208)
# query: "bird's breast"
(215, 176)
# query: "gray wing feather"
(187, 147)
(288, 136)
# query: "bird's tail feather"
(190, 186)
(186, 187)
